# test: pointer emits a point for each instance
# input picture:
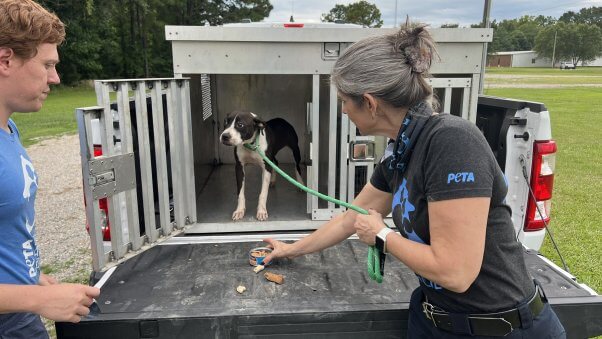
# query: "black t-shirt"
(453, 160)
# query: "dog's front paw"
(238, 214)
(262, 214)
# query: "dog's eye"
(240, 125)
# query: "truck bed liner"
(189, 291)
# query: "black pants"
(545, 325)
(22, 326)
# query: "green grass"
(576, 117)
(48, 269)
(57, 116)
(579, 71)
(561, 80)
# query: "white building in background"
(528, 59)
(518, 59)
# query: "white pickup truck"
(161, 190)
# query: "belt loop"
(460, 324)
(526, 316)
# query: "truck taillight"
(103, 205)
(97, 150)
(542, 183)
(294, 25)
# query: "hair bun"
(416, 45)
(419, 60)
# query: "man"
(28, 57)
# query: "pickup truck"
(177, 275)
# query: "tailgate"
(187, 289)
(578, 307)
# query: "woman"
(446, 193)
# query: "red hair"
(25, 25)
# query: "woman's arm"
(454, 257)
(334, 231)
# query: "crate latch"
(111, 175)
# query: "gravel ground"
(60, 217)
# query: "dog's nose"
(226, 137)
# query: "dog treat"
(258, 268)
(273, 277)
(259, 253)
(240, 289)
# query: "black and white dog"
(242, 128)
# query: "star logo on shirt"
(402, 207)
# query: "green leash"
(373, 256)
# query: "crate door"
(327, 168)
(130, 166)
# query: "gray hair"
(392, 67)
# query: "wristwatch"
(381, 239)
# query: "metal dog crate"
(284, 72)
(179, 163)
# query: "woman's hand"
(367, 226)
(279, 250)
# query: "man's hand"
(66, 302)
(46, 280)
(367, 226)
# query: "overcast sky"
(432, 12)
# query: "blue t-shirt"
(19, 256)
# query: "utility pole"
(554, 49)
(486, 24)
(395, 25)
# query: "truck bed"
(188, 290)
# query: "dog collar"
(254, 145)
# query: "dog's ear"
(259, 123)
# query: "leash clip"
(254, 145)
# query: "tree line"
(575, 36)
(126, 38)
